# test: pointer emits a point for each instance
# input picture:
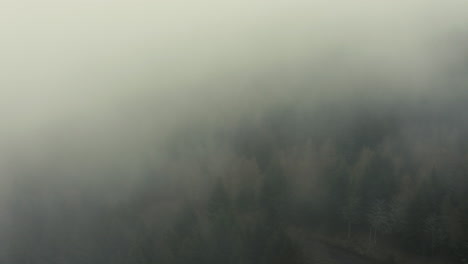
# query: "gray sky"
(97, 81)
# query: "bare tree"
(433, 228)
(350, 213)
(378, 219)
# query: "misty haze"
(237, 132)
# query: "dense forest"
(364, 179)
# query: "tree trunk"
(349, 230)
(370, 237)
(375, 235)
(432, 243)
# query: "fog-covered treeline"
(243, 131)
(231, 193)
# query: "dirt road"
(317, 252)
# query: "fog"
(130, 104)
